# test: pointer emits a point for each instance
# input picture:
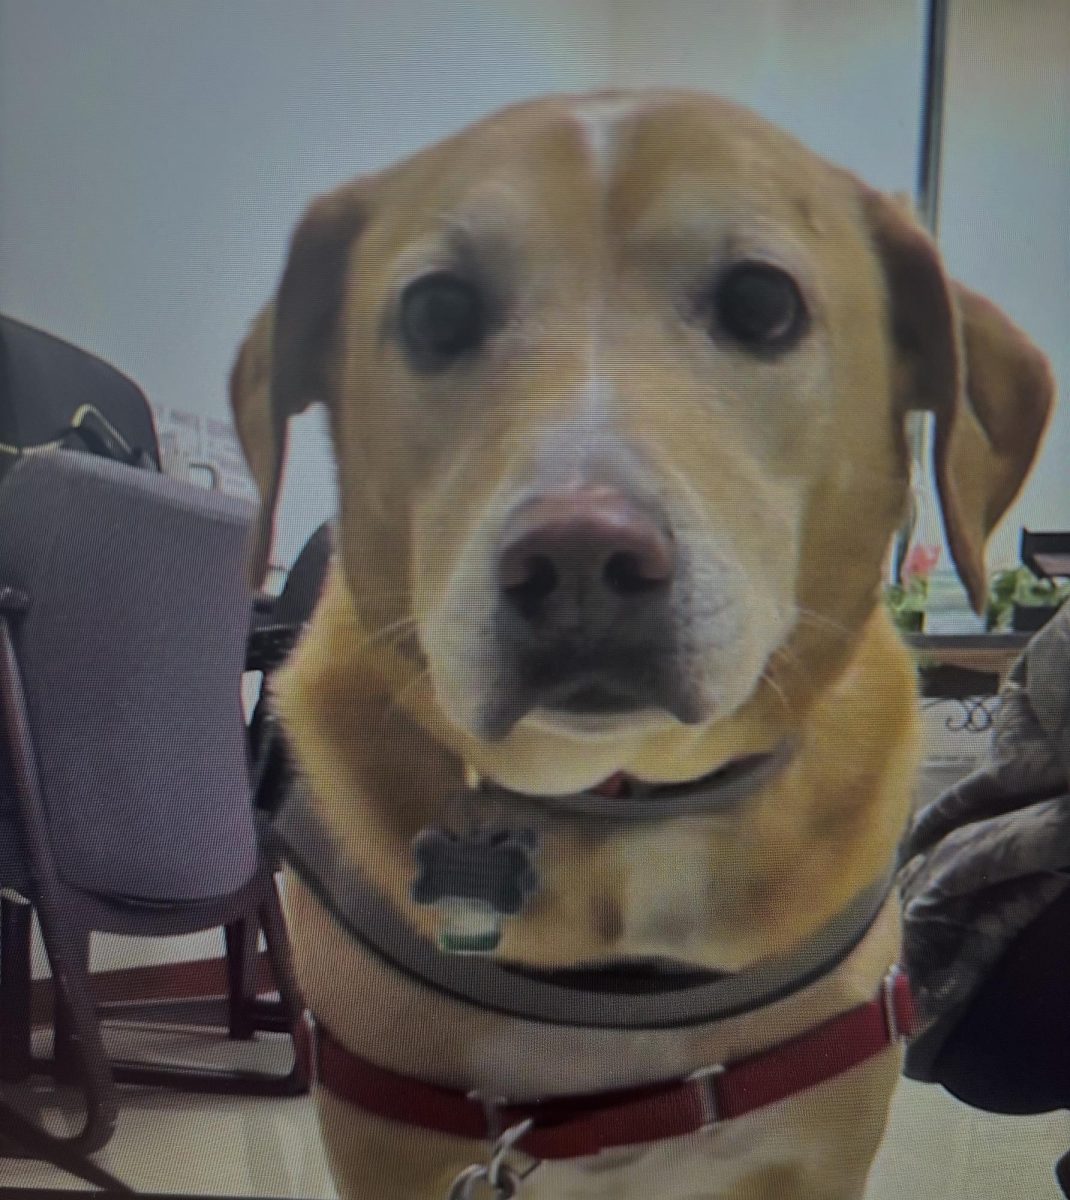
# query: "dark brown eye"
(442, 317)
(760, 307)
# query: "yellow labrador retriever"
(606, 742)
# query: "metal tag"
(475, 879)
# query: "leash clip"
(496, 1173)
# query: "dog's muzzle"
(584, 609)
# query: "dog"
(618, 388)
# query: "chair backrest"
(44, 381)
(304, 583)
(131, 655)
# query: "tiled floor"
(936, 1148)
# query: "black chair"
(125, 800)
(54, 393)
(273, 637)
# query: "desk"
(952, 664)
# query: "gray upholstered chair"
(125, 803)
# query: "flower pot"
(910, 622)
(1028, 618)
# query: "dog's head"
(618, 390)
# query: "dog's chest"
(677, 1169)
(665, 897)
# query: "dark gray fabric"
(304, 582)
(132, 653)
(44, 380)
(987, 857)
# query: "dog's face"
(618, 390)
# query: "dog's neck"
(381, 768)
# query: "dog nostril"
(624, 574)
(533, 583)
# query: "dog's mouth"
(594, 698)
(624, 799)
(592, 702)
(624, 976)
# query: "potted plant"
(1022, 601)
(906, 600)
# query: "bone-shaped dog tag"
(475, 880)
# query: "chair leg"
(291, 1001)
(65, 1050)
(286, 1016)
(15, 988)
(79, 1039)
(241, 942)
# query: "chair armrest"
(269, 645)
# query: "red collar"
(577, 1126)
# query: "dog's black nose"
(583, 563)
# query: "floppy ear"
(282, 366)
(990, 388)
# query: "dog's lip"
(589, 698)
(640, 975)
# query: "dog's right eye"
(442, 317)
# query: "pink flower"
(920, 562)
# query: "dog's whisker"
(381, 597)
(392, 634)
(781, 694)
(810, 616)
(789, 657)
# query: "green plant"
(906, 601)
(907, 604)
(1019, 586)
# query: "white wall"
(842, 75)
(1005, 221)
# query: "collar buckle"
(889, 988)
(707, 1093)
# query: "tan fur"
(787, 479)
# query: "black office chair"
(273, 637)
(53, 394)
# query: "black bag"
(56, 396)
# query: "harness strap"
(560, 997)
(577, 1126)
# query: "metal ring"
(506, 1183)
(462, 1186)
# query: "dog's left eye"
(759, 306)
(442, 317)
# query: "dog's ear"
(958, 356)
(282, 366)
